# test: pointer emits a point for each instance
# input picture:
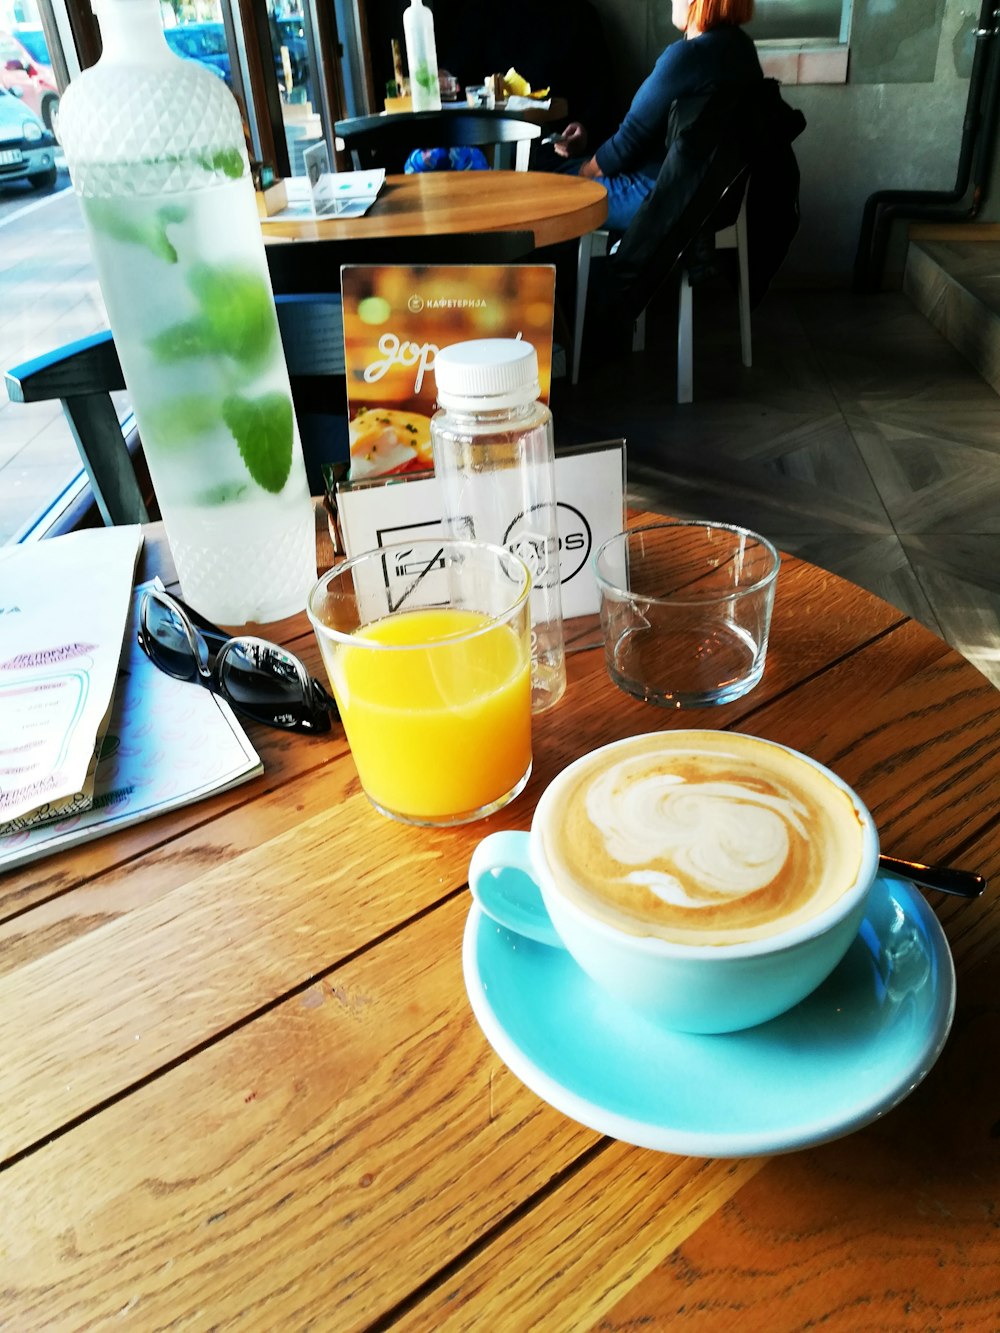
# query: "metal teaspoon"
(946, 879)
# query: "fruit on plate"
(516, 85)
(387, 441)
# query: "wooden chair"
(306, 279)
(731, 237)
(386, 140)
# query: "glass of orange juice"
(428, 650)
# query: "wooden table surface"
(242, 1084)
(445, 203)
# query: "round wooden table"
(242, 1083)
(555, 207)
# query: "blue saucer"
(847, 1054)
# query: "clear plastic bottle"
(157, 156)
(494, 460)
(421, 57)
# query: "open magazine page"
(168, 743)
(64, 605)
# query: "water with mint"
(159, 163)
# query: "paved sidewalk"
(49, 296)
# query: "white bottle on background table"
(421, 57)
(157, 156)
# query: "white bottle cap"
(486, 373)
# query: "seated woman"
(716, 51)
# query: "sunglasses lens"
(258, 678)
(167, 641)
(262, 680)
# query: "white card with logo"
(590, 490)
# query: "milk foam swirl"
(701, 838)
(725, 839)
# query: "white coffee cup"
(771, 942)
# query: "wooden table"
(242, 1085)
(445, 203)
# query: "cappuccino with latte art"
(701, 837)
(710, 880)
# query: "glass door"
(308, 58)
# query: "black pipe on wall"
(975, 160)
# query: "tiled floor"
(860, 439)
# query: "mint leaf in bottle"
(236, 319)
(181, 419)
(227, 160)
(262, 428)
(150, 231)
(180, 342)
(237, 311)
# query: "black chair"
(84, 374)
(724, 235)
(387, 140)
(306, 280)
(729, 180)
(313, 266)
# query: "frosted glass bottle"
(421, 57)
(495, 465)
(157, 156)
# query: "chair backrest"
(84, 374)
(715, 138)
(306, 280)
(386, 140)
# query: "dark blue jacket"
(714, 141)
(687, 68)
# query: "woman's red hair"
(706, 14)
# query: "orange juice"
(437, 710)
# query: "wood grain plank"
(636, 1256)
(954, 231)
(146, 870)
(915, 733)
(342, 1147)
(584, 1246)
(260, 1178)
(233, 938)
(556, 208)
(109, 1008)
(286, 758)
(891, 1228)
(173, 846)
(317, 1165)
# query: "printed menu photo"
(396, 320)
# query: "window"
(802, 41)
(48, 284)
(800, 20)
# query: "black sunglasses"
(259, 679)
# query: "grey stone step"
(955, 284)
